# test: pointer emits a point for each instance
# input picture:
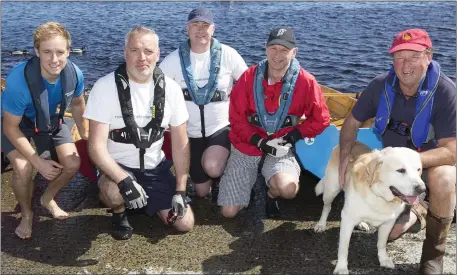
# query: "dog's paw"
(387, 262)
(319, 228)
(363, 226)
(341, 270)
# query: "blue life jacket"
(271, 123)
(419, 130)
(45, 123)
(208, 93)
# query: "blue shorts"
(158, 183)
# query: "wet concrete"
(246, 244)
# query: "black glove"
(274, 147)
(292, 137)
(133, 194)
(179, 204)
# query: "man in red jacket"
(266, 105)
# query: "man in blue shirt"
(414, 106)
(36, 96)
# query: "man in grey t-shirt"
(423, 117)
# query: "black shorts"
(158, 183)
(198, 146)
(42, 143)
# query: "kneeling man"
(266, 105)
(129, 110)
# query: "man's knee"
(285, 185)
(213, 168)
(290, 190)
(214, 160)
(186, 224)
(71, 165)
(442, 181)
(22, 168)
(230, 211)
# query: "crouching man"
(129, 110)
(266, 105)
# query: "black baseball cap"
(200, 15)
(282, 36)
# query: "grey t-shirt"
(443, 117)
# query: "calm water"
(343, 44)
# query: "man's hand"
(49, 169)
(344, 160)
(292, 137)
(85, 136)
(179, 204)
(133, 194)
(274, 147)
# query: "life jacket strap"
(290, 121)
(217, 96)
(202, 121)
(121, 135)
(142, 139)
(399, 127)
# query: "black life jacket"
(45, 123)
(141, 137)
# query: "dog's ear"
(366, 168)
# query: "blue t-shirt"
(443, 116)
(17, 100)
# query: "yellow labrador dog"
(378, 185)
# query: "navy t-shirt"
(443, 117)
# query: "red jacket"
(307, 101)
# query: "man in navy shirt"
(36, 96)
(414, 106)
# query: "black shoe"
(121, 229)
(272, 208)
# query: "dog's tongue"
(411, 199)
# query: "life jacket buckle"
(399, 127)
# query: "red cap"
(413, 39)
